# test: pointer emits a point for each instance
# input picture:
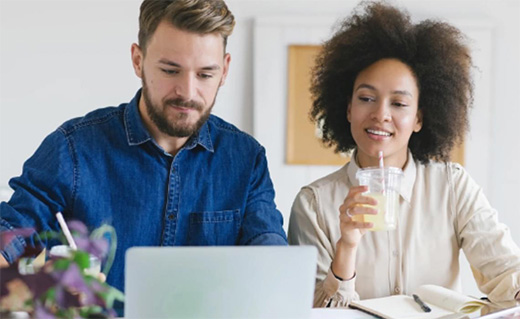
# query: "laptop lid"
(220, 282)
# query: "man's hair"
(435, 52)
(198, 16)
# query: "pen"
(421, 303)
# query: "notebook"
(509, 313)
(220, 282)
(443, 303)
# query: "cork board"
(303, 145)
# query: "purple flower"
(96, 247)
(72, 278)
(78, 227)
(41, 312)
(61, 288)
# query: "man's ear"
(227, 60)
(418, 121)
(137, 60)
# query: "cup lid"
(388, 170)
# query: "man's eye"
(170, 71)
(206, 75)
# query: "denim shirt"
(106, 168)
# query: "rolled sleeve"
(487, 243)
(268, 239)
(334, 292)
(12, 250)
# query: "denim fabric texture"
(105, 168)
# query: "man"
(160, 169)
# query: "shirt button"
(397, 290)
(171, 217)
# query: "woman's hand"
(344, 262)
(355, 204)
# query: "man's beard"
(175, 128)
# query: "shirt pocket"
(214, 228)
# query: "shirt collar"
(409, 174)
(136, 132)
(202, 138)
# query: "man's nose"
(186, 87)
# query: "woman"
(385, 84)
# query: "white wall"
(61, 59)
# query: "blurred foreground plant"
(60, 287)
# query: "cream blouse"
(442, 210)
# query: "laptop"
(220, 282)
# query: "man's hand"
(3, 262)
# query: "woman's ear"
(348, 111)
(418, 121)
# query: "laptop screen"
(220, 282)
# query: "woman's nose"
(381, 112)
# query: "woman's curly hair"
(435, 51)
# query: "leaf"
(49, 296)
(112, 295)
(66, 313)
(103, 232)
(92, 312)
(62, 298)
(61, 263)
(81, 258)
(96, 285)
(74, 281)
(46, 235)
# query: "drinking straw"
(66, 231)
(382, 168)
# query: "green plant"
(60, 288)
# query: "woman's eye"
(399, 104)
(366, 99)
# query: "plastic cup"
(383, 185)
(64, 251)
